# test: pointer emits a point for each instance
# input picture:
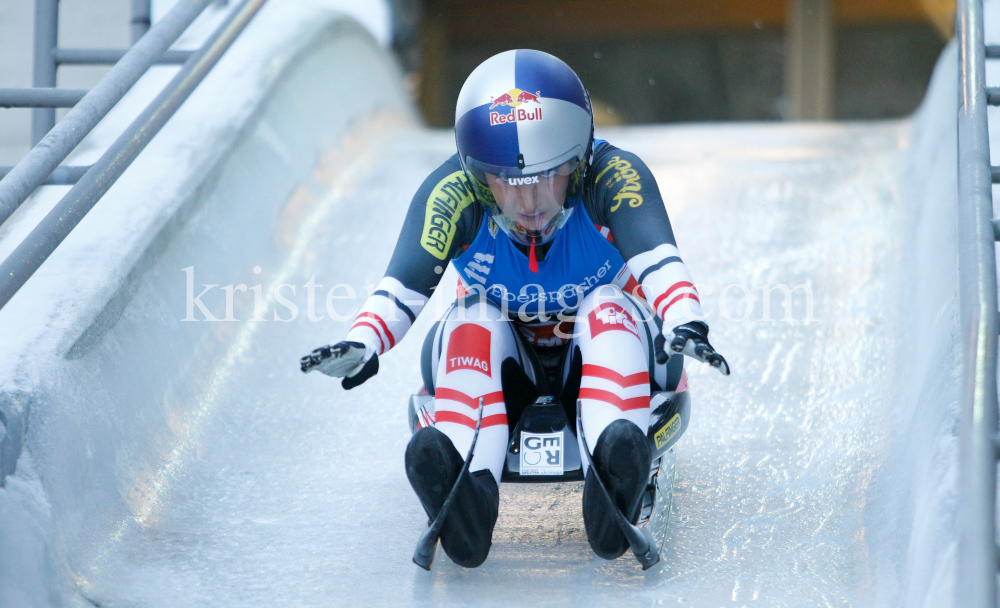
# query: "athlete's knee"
(611, 297)
(602, 294)
(607, 309)
(476, 307)
(476, 320)
(473, 334)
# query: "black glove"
(691, 339)
(342, 361)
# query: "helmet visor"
(531, 208)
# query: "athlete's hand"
(691, 339)
(347, 360)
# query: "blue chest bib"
(579, 260)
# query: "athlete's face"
(531, 201)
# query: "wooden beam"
(809, 50)
(434, 58)
(472, 21)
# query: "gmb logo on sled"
(541, 453)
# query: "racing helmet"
(524, 129)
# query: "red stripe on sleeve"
(385, 328)
(373, 328)
(683, 296)
(673, 288)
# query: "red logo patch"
(611, 317)
(469, 348)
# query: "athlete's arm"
(440, 220)
(626, 199)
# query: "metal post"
(62, 176)
(809, 48)
(110, 56)
(975, 582)
(56, 226)
(44, 73)
(39, 163)
(40, 98)
(141, 19)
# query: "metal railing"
(41, 165)
(48, 57)
(976, 575)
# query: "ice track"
(176, 464)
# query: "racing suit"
(581, 327)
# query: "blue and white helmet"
(524, 129)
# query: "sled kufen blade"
(423, 555)
(640, 541)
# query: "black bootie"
(432, 466)
(622, 458)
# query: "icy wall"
(95, 426)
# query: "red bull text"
(515, 115)
(514, 98)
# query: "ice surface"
(177, 464)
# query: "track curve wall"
(88, 396)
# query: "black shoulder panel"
(620, 193)
(442, 219)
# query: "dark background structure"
(655, 61)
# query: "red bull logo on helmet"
(513, 99)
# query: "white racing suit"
(581, 326)
(608, 363)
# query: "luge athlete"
(571, 283)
